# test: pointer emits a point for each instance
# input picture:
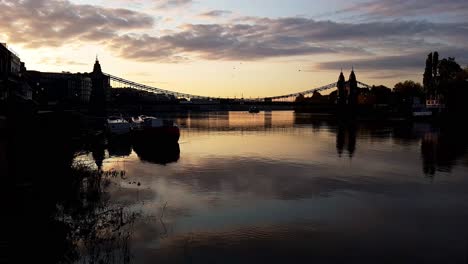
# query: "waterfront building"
(65, 88)
(10, 74)
(51, 88)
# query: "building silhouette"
(10, 74)
(342, 93)
(50, 88)
(352, 89)
(100, 90)
(348, 91)
(15, 92)
(69, 90)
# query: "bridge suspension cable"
(156, 90)
(151, 89)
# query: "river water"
(280, 187)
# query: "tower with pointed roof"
(100, 91)
(353, 89)
(97, 67)
(341, 85)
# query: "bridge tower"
(341, 85)
(353, 89)
(100, 92)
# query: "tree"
(409, 89)
(449, 69)
(316, 95)
(382, 94)
(451, 84)
(427, 79)
(435, 64)
(464, 74)
(300, 98)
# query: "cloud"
(400, 8)
(214, 13)
(263, 38)
(213, 42)
(61, 61)
(52, 23)
(169, 4)
(38, 23)
(410, 62)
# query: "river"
(282, 187)
(275, 187)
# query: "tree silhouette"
(452, 85)
(427, 79)
(409, 89)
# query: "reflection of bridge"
(121, 82)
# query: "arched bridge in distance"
(123, 83)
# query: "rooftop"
(10, 49)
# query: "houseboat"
(155, 129)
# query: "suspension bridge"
(118, 82)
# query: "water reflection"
(104, 147)
(162, 153)
(59, 210)
(273, 189)
(119, 146)
(268, 119)
(98, 148)
(231, 121)
(442, 150)
(346, 138)
(249, 188)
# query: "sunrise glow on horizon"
(236, 48)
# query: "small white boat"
(137, 122)
(118, 125)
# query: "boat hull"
(157, 134)
(118, 128)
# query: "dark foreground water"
(278, 187)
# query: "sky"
(237, 48)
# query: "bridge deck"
(156, 90)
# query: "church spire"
(97, 66)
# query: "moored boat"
(117, 125)
(155, 129)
